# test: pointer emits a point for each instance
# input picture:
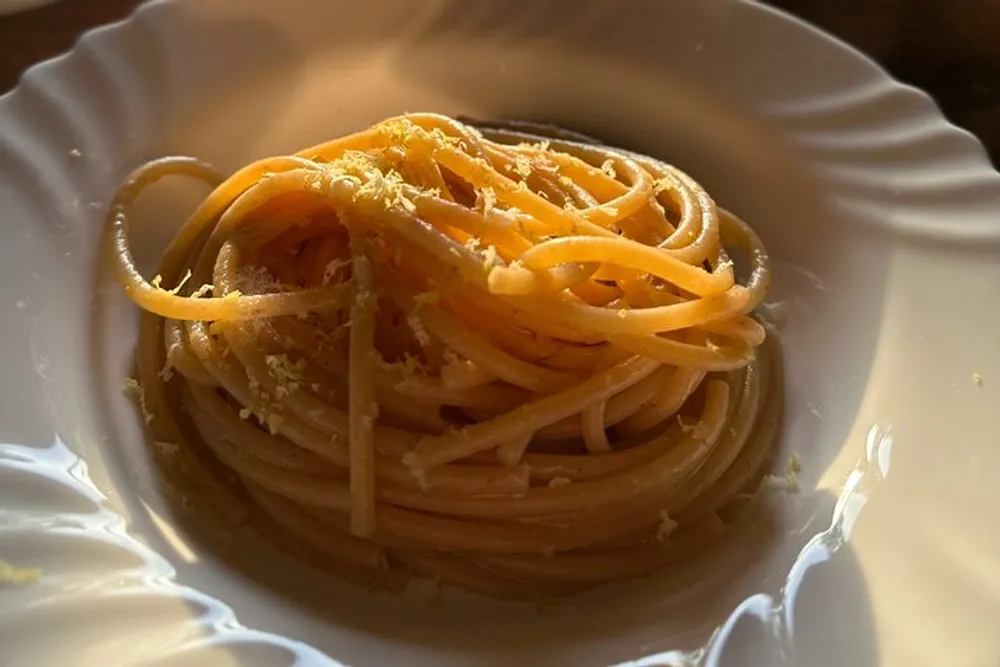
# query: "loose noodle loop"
(516, 366)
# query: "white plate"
(884, 219)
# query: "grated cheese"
(488, 199)
(686, 426)
(389, 189)
(419, 332)
(666, 527)
(287, 373)
(491, 258)
(167, 372)
(132, 388)
(274, 423)
(180, 285)
(18, 576)
(397, 130)
(791, 469)
(522, 165)
(202, 291)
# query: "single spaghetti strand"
(594, 436)
(363, 409)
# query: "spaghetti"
(519, 367)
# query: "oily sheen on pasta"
(516, 366)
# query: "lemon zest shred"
(18, 576)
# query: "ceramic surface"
(883, 219)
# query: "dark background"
(950, 48)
